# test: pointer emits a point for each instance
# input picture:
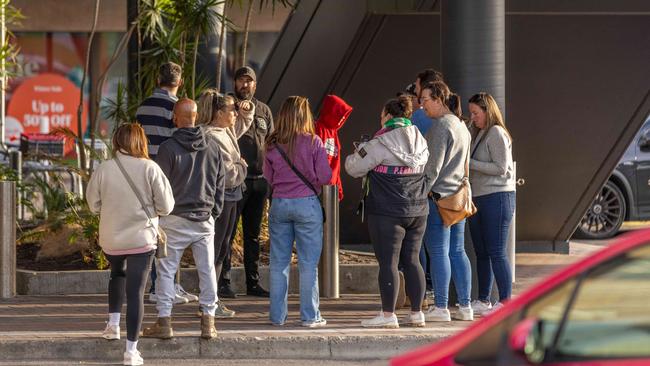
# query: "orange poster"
(43, 103)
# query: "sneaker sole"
(386, 326)
(130, 363)
(111, 337)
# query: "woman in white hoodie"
(226, 123)
(127, 235)
(397, 208)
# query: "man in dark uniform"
(251, 206)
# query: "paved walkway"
(61, 322)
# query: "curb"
(291, 347)
(353, 278)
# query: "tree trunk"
(246, 29)
(222, 37)
(80, 140)
(100, 84)
(196, 51)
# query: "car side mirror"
(644, 141)
(526, 340)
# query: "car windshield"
(609, 313)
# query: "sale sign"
(46, 102)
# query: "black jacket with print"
(252, 142)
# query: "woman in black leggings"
(127, 234)
(396, 204)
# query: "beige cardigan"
(123, 224)
(226, 137)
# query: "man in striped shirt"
(156, 112)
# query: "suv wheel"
(605, 216)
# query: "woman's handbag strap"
(132, 185)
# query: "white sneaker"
(480, 307)
(133, 358)
(178, 299)
(315, 323)
(464, 313)
(435, 314)
(495, 307)
(414, 320)
(380, 321)
(111, 332)
(180, 292)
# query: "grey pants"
(181, 234)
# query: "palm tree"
(263, 4)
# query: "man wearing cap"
(251, 206)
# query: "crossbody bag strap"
(478, 143)
(295, 170)
(132, 185)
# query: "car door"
(642, 167)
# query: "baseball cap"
(245, 71)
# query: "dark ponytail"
(454, 105)
(401, 106)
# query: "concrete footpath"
(68, 327)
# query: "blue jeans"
(298, 219)
(447, 259)
(489, 228)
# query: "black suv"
(625, 196)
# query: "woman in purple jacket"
(296, 167)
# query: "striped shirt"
(155, 114)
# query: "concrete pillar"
(474, 60)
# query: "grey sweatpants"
(183, 233)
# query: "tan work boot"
(208, 331)
(162, 329)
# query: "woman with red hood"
(333, 114)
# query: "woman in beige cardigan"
(127, 235)
(226, 121)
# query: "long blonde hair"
(493, 114)
(294, 119)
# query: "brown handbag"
(459, 205)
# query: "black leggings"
(129, 272)
(224, 226)
(398, 240)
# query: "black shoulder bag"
(299, 174)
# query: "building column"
(474, 48)
(473, 61)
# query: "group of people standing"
(189, 171)
(193, 168)
(423, 153)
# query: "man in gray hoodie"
(194, 167)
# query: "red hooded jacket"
(333, 114)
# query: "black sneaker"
(257, 290)
(226, 292)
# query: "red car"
(594, 312)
